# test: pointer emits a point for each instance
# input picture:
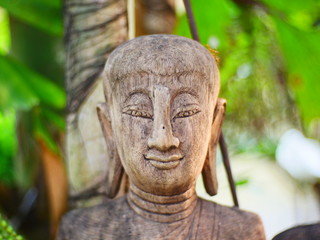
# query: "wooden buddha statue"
(161, 121)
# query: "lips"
(164, 162)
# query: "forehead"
(166, 58)
(191, 82)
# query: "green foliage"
(46, 15)
(301, 50)
(264, 145)
(6, 231)
(22, 88)
(4, 32)
(242, 182)
(302, 14)
(32, 98)
(7, 146)
(212, 20)
(15, 91)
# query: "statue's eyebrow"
(186, 90)
(137, 91)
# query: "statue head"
(162, 115)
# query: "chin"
(166, 185)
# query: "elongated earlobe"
(209, 168)
(115, 170)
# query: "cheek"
(193, 132)
(181, 129)
(132, 135)
(135, 131)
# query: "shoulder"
(87, 221)
(234, 223)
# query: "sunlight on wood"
(131, 19)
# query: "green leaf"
(302, 14)
(14, 90)
(289, 5)
(7, 231)
(8, 144)
(242, 182)
(22, 88)
(4, 32)
(46, 15)
(47, 91)
(213, 21)
(302, 57)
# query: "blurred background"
(51, 57)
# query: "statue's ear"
(115, 170)
(209, 168)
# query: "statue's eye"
(186, 113)
(137, 113)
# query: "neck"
(162, 208)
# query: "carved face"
(161, 127)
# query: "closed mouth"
(164, 162)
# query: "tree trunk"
(93, 30)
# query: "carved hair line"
(176, 75)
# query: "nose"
(162, 138)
